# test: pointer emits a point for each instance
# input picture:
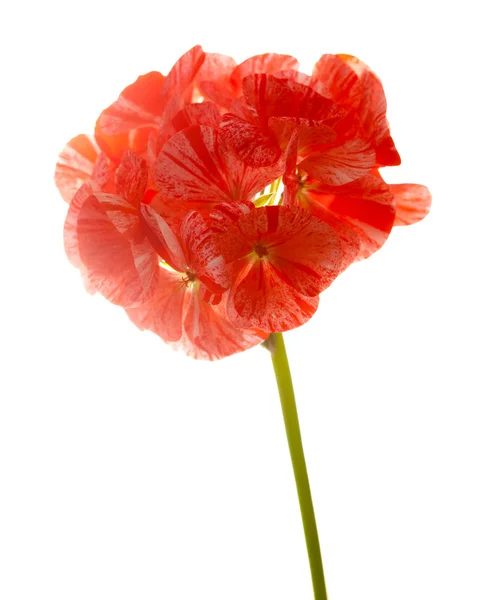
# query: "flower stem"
(291, 419)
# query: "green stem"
(291, 419)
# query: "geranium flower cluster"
(216, 203)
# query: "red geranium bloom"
(362, 212)
(129, 254)
(281, 258)
(141, 111)
(188, 308)
(175, 208)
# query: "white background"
(129, 472)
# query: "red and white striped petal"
(131, 178)
(366, 204)
(412, 202)
(75, 165)
(371, 112)
(276, 97)
(162, 237)
(119, 263)
(304, 251)
(248, 142)
(196, 167)
(179, 84)
(312, 135)
(209, 335)
(338, 165)
(163, 312)
(263, 63)
(341, 79)
(259, 298)
(71, 244)
(203, 256)
(214, 79)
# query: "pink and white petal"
(342, 164)
(75, 165)
(412, 202)
(131, 178)
(259, 298)
(210, 335)
(106, 254)
(203, 256)
(162, 238)
(162, 314)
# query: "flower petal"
(367, 204)
(338, 165)
(292, 255)
(196, 167)
(312, 134)
(131, 178)
(304, 250)
(262, 63)
(341, 79)
(203, 113)
(260, 299)
(71, 244)
(412, 201)
(119, 262)
(214, 79)
(177, 88)
(139, 105)
(372, 112)
(210, 335)
(248, 142)
(162, 314)
(276, 97)
(75, 165)
(162, 238)
(203, 256)
(190, 168)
